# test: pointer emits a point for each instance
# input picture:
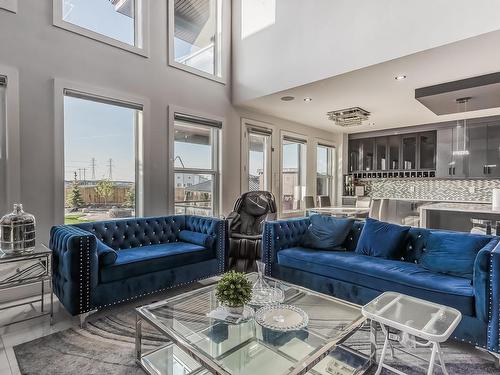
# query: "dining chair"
(324, 201)
(375, 209)
(363, 202)
(384, 210)
(308, 201)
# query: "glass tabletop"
(39, 250)
(248, 348)
(410, 314)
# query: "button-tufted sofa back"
(283, 234)
(137, 232)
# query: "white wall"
(305, 41)
(41, 52)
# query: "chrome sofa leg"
(83, 318)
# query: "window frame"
(60, 87)
(12, 136)
(9, 5)
(246, 128)
(216, 169)
(219, 61)
(331, 159)
(302, 169)
(141, 26)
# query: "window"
(3, 145)
(100, 157)
(196, 166)
(116, 22)
(195, 36)
(259, 159)
(324, 170)
(293, 186)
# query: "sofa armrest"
(213, 227)
(481, 282)
(75, 267)
(494, 301)
(279, 235)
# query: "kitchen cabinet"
(492, 167)
(394, 145)
(354, 155)
(477, 160)
(381, 153)
(409, 145)
(427, 150)
(367, 154)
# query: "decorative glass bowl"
(283, 318)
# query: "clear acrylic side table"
(23, 269)
(428, 321)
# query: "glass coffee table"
(198, 344)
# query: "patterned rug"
(106, 346)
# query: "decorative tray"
(266, 296)
(282, 318)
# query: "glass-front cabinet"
(405, 152)
(354, 153)
(427, 150)
(381, 153)
(367, 149)
(394, 145)
(492, 167)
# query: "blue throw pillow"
(107, 255)
(197, 238)
(381, 239)
(326, 232)
(452, 253)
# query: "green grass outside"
(74, 219)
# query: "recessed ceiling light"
(307, 99)
(400, 77)
(287, 98)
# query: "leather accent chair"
(246, 222)
(308, 202)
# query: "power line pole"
(110, 166)
(92, 166)
(84, 174)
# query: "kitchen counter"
(455, 216)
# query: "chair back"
(375, 209)
(308, 201)
(384, 210)
(324, 201)
(363, 202)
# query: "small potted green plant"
(233, 291)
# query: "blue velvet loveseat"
(100, 264)
(349, 275)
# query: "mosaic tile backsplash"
(431, 189)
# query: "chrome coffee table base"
(197, 344)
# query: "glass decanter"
(261, 291)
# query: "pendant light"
(462, 148)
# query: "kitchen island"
(456, 216)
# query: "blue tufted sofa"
(360, 278)
(100, 264)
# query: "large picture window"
(3, 145)
(195, 36)
(100, 157)
(196, 166)
(324, 170)
(259, 160)
(293, 185)
(116, 22)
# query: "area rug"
(106, 346)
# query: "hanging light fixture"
(462, 147)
